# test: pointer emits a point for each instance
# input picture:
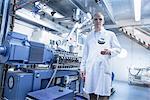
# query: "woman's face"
(98, 20)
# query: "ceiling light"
(137, 10)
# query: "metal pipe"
(5, 18)
(75, 3)
(24, 4)
(13, 15)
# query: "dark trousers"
(96, 97)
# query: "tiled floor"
(123, 91)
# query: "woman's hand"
(106, 52)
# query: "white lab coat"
(97, 66)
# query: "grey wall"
(137, 56)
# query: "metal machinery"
(39, 72)
(139, 76)
(17, 49)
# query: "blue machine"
(63, 69)
(39, 54)
(17, 49)
(38, 76)
(52, 93)
(41, 77)
(15, 44)
(18, 84)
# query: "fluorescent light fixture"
(137, 10)
(58, 15)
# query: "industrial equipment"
(61, 71)
(139, 76)
(11, 47)
(17, 49)
(30, 80)
(18, 83)
(53, 93)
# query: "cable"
(53, 73)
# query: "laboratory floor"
(124, 91)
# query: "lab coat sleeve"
(115, 46)
(84, 57)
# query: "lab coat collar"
(102, 30)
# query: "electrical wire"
(53, 73)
